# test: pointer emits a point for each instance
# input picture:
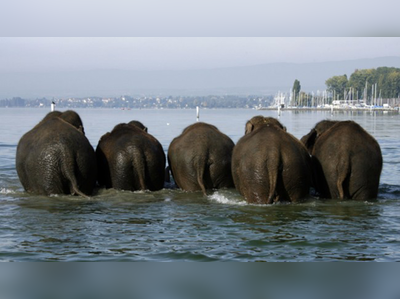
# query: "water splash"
(7, 191)
(220, 197)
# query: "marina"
(321, 102)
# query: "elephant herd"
(339, 159)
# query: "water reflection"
(326, 230)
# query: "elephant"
(129, 158)
(346, 159)
(200, 158)
(55, 157)
(270, 165)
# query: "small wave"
(389, 191)
(8, 145)
(223, 199)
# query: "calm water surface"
(171, 225)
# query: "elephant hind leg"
(140, 173)
(272, 197)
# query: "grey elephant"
(55, 157)
(270, 165)
(347, 160)
(200, 158)
(129, 158)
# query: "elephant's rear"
(56, 158)
(351, 161)
(249, 171)
(200, 158)
(130, 159)
(148, 164)
(269, 165)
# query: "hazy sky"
(199, 18)
(177, 53)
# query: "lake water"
(171, 225)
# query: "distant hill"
(262, 79)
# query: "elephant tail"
(68, 170)
(200, 176)
(77, 191)
(139, 170)
(273, 166)
(343, 172)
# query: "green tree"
(359, 79)
(386, 79)
(337, 84)
(296, 92)
(393, 85)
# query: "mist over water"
(171, 224)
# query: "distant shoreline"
(334, 109)
(305, 109)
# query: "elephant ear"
(138, 124)
(309, 140)
(249, 128)
(324, 126)
(81, 129)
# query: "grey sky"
(182, 53)
(199, 18)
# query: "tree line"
(383, 82)
(369, 85)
